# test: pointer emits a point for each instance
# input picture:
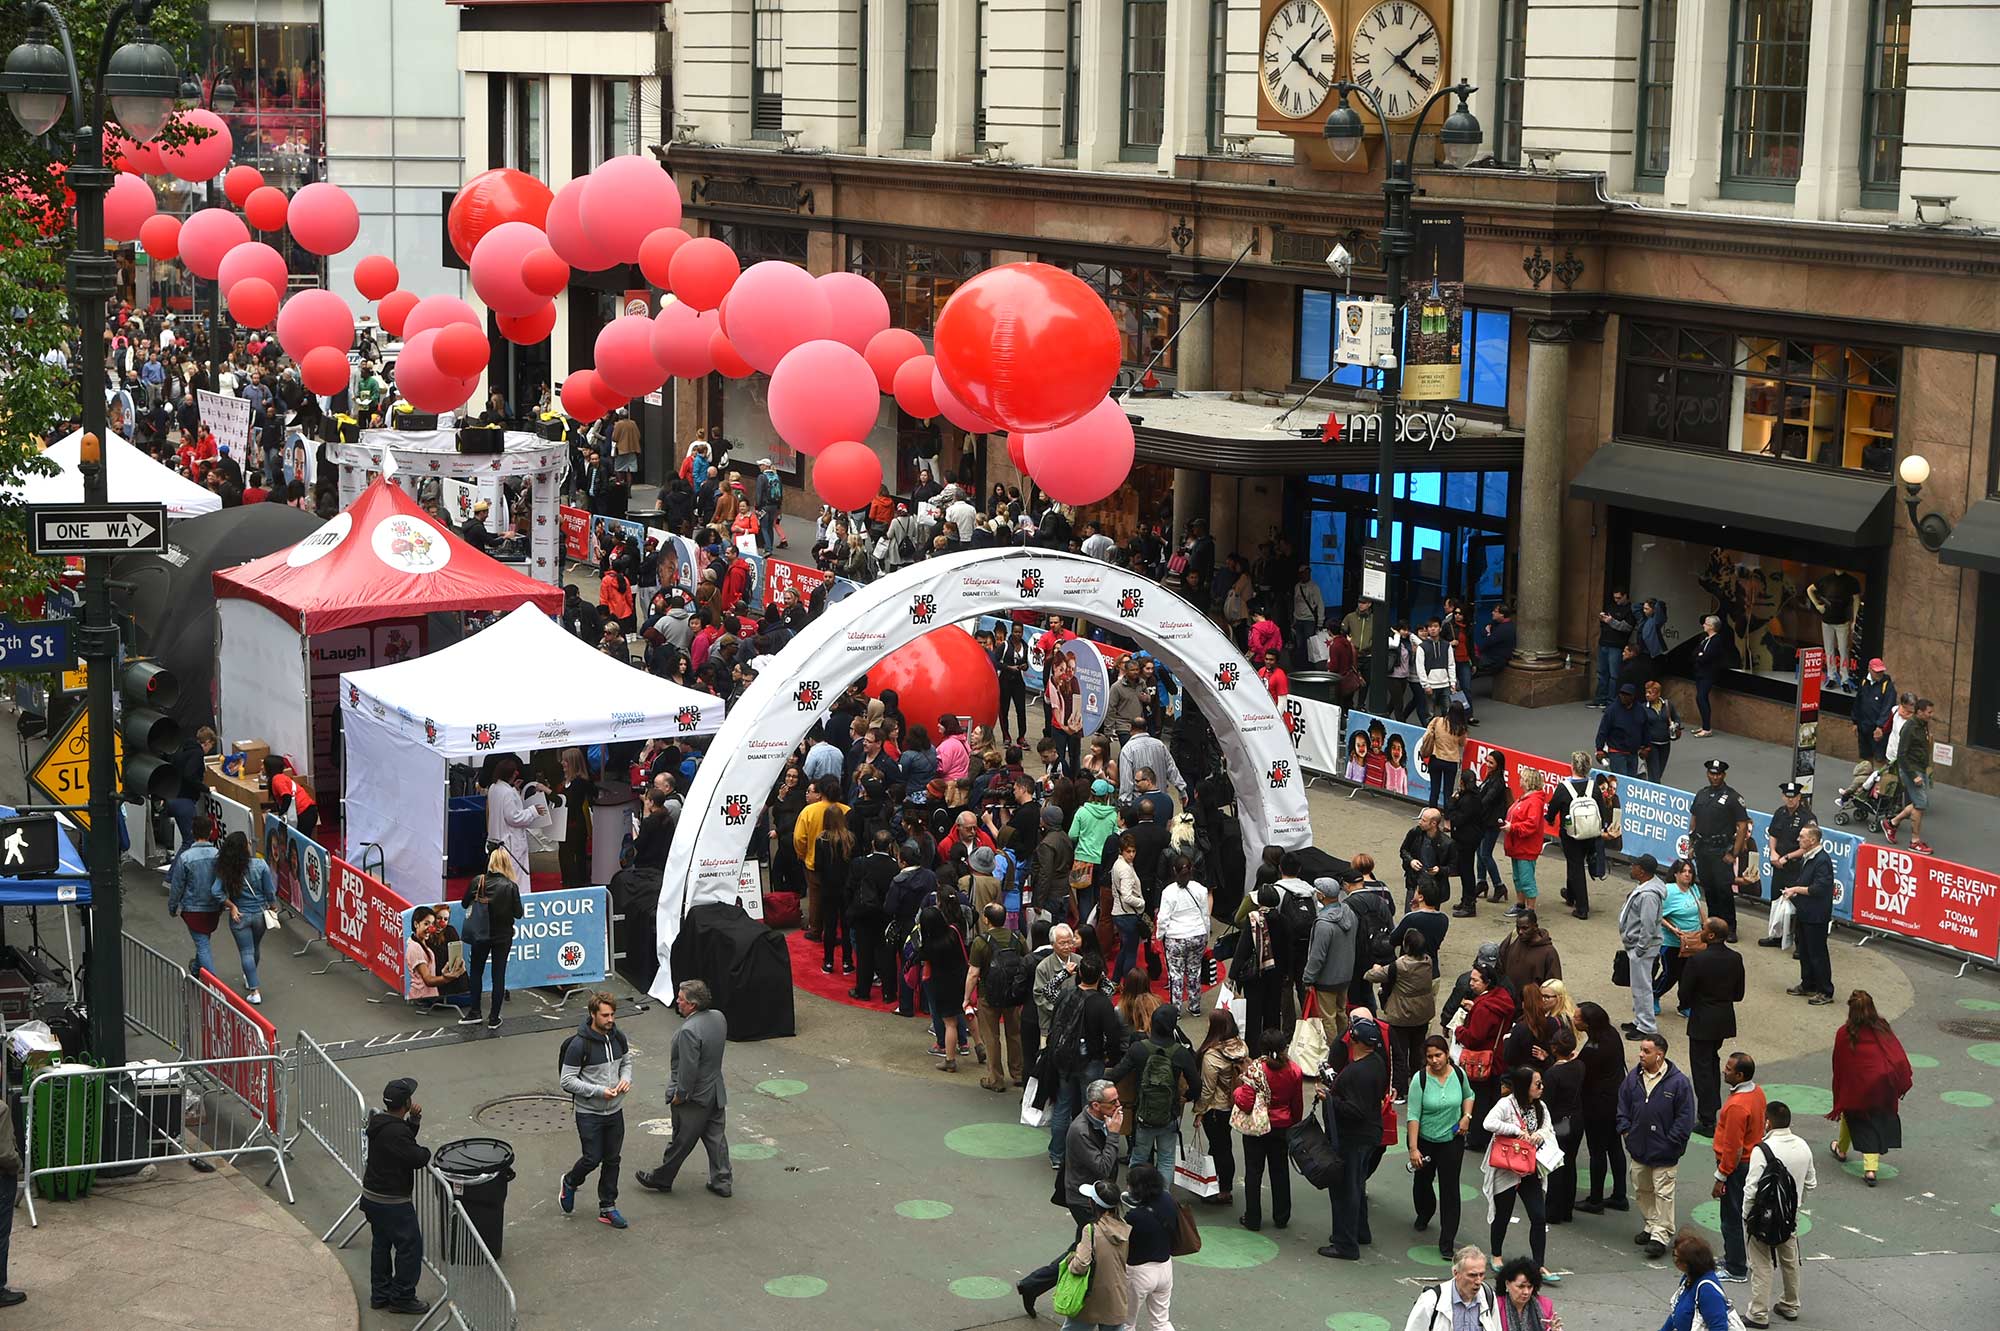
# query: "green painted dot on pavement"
(795, 1287)
(1855, 1167)
(998, 1141)
(1805, 1101)
(1231, 1248)
(1356, 1322)
(979, 1287)
(1428, 1255)
(1466, 1192)
(1968, 1099)
(1988, 1053)
(783, 1088)
(1995, 1208)
(923, 1210)
(1709, 1214)
(1979, 1004)
(751, 1151)
(1922, 1061)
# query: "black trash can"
(1316, 684)
(479, 1170)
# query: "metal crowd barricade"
(331, 1110)
(477, 1297)
(156, 994)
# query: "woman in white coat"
(1520, 1115)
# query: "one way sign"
(29, 847)
(99, 529)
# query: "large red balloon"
(681, 341)
(394, 310)
(253, 302)
(886, 352)
(913, 387)
(324, 370)
(122, 154)
(544, 272)
(206, 236)
(498, 265)
(161, 235)
(624, 357)
(266, 207)
(1027, 346)
(579, 396)
(955, 411)
(423, 384)
(490, 198)
(204, 160)
(656, 252)
(527, 329)
(1086, 460)
(943, 673)
(253, 259)
(1017, 450)
(858, 307)
(847, 475)
(324, 218)
(774, 307)
(241, 182)
(127, 206)
(314, 318)
(376, 276)
(461, 350)
(728, 363)
(823, 392)
(628, 198)
(566, 235)
(702, 271)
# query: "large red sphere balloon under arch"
(490, 198)
(944, 673)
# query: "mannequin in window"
(1837, 597)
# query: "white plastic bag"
(1779, 925)
(1031, 1115)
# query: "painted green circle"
(1428, 1256)
(1995, 1208)
(751, 1151)
(795, 1287)
(1968, 1099)
(1709, 1214)
(998, 1141)
(783, 1088)
(923, 1210)
(1922, 1061)
(1987, 1053)
(1805, 1101)
(1468, 1192)
(979, 1287)
(1858, 1169)
(1231, 1248)
(1979, 1004)
(1356, 1322)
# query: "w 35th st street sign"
(98, 529)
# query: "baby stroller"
(1871, 798)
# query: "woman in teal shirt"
(1439, 1109)
(1680, 918)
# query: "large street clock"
(1400, 50)
(1398, 54)
(1299, 59)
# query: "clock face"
(1299, 54)
(1397, 55)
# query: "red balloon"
(657, 251)
(681, 341)
(423, 383)
(253, 302)
(314, 318)
(527, 329)
(1017, 451)
(266, 207)
(857, 305)
(161, 235)
(1086, 460)
(1028, 346)
(253, 259)
(774, 307)
(498, 265)
(627, 199)
(206, 236)
(324, 370)
(913, 387)
(822, 392)
(955, 411)
(201, 161)
(544, 272)
(490, 198)
(847, 475)
(461, 350)
(605, 395)
(728, 363)
(436, 312)
(624, 358)
(394, 309)
(376, 276)
(324, 218)
(139, 159)
(943, 673)
(886, 352)
(579, 396)
(241, 182)
(702, 272)
(566, 235)
(127, 206)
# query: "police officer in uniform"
(1782, 843)
(1719, 825)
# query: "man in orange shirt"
(1738, 1129)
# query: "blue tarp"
(44, 891)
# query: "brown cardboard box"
(254, 752)
(249, 792)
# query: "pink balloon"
(422, 383)
(251, 259)
(324, 219)
(376, 276)
(241, 183)
(314, 318)
(774, 307)
(964, 417)
(624, 357)
(628, 199)
(436, 312)
(823, 392)
(702, 272)
(566, 234)
(858, 307)
(253, 302)
(544, 272)
(206, 236)
(127, 207)
(161, 235)
(847, 475)
(1086, 460)
(201, 161)
(680, 341)
(497, 265)
(461, 350)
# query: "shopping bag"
(1308, 1048)
(1779, 926)
(1194, 1171)
(1032, 1114)
(1072, 1286)
(1235, 1004)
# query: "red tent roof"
(382, 558)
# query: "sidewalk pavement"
(207, 1252)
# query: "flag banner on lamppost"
(1434, 308)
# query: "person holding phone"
(512, 807)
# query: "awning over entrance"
(1975, 541)
(1811, 503)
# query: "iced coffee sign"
(1901, 892)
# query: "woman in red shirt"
(1486, 1024)
(288, 794)
(1275, 1081)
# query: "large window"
(1218, 71)
(920, 80)
(527, 128)
(1655, 128)
(981, 53)
(1882, 105)
(1072, 73)
(917, 279)
(617, 118)
(1144, 303)
(753, 244)
(1145, 77)
(1485, 346)
(1764, 114)
(1832, 404)
(1512, 81)
(861, 73)
(1450, 539)
(767, 69)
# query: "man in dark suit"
(1812, 904)
(1711, 986)
(695, 1092)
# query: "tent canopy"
(131, 476)
(47, 891)
(382, 558)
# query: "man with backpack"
(770, 504)
(1738, 1129)
(1576, 808)
(1168, 1075)
(1375, 919)
(999, 982)
(1776, 1177)
(594, 1066)
(1083, 1036)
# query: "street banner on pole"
(1434, 308)
(1805, 737)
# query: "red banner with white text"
(786, 582)
(364, 922)
(575, 532)
(1525, 771)
(1919, 896)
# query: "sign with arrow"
(29, 846)
(98, 529)
(63, 774)
(35, 644)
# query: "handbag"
(1621, 969)
(1313, 1154)
(1187, 1236)
(1516, 1155)
(1480, 1064)
(1194, 1171)
(1256, 1120)
(1072, 1286)
(270, 918)
(1032, 1114)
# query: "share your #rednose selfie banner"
(561, 939)
(1315, 730)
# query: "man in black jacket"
(1156, 1136)
(1812, 904)
(1614, 629)
(868, 879)
(1084, 1038)
(396, 1251)
(1353, 1110)
(1426, 851)
(1711, 986)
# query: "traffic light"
(152, 737)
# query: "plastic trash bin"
(479, 1170)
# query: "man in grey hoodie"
(1330, 956)
(596, 1070)
(1639, 933)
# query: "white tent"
(131, 476)
(523, 684)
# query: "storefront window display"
(1450, 538)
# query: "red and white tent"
(353, 595)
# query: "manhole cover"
(1971, 1029)
(539, 1112)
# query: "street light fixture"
(1933, 529)
(140, 83)
(37, 83)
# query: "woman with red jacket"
(1871, 1075)
(1277, 1081)
(1526, 819)
(1485, 1026)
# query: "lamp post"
(220, 98)
(138, 79)
(1460, 137)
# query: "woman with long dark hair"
(942, 956)
(1223, 1057)
(1443, 750)
(1699, 1303)
(578, 791)
(1521, 1114)
(1603, 1059)
(249, 889)
(831, 856)
(1871, 1075)
(1268, 1102)
(1440, 1112)
(1149, 1264)
(1528, 1043)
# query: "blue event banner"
(1385, 736)
(302, 867)
(562, 939)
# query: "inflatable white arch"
(795, 688)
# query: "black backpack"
(1156, 1088)
(1773, 1217)
(1295, 911)
(1009, 982)
(1065, 1040)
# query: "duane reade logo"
(1226, 676)
(923, 608)
(981, 587)
(735, 810)
(1131, 601)
(806, 694)
(1030, 583)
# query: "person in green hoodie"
(1093, 828)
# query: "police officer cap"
(1791, 788)
(1716, 765)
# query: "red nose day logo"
(430, 731)
(1130, 602)
(1295, 720)
(485, 735)
(735, 810)
(1226, 676)
(807, 695)
(687, 718)
(923, 608)
(353, 696)
(570, 955)
(1029, 583)
(1280, 773)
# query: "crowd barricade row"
(330, 1109)
(476, 1296)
